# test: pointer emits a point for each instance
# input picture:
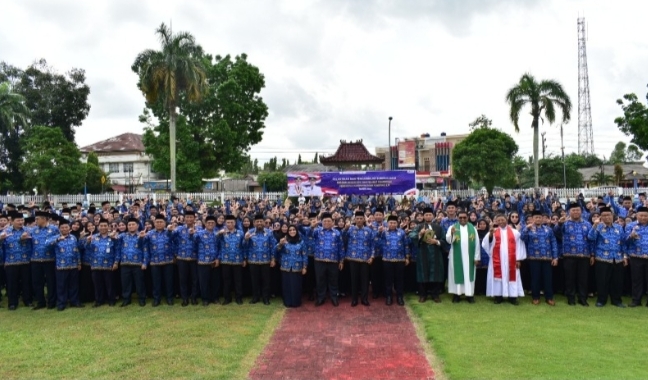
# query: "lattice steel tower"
(585, 134)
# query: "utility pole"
(562, 147)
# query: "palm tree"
(543, 98)
(13, 110)
(163, 75)
(601, 178)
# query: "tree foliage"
(216, 132)
(274, 181)
(545, 98)
(486, 157)
(94, 175)
(600, 179)
(480, 122)
(634, 122)
(51, 163)
(13, 115)
(578, 161)
(623, 153)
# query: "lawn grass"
(487, 341)
(216, 342)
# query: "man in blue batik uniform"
(159, 244)
(101, 249)
(43, 268)
(260, 255)
(206, 246)
(542, 253)
(575, 254)
(231, 256)
(186, 259)
(68, 265)
(396, 255)
(329, 256)
(637, 243)
(16, 252)
(132, 256)
(359, 255)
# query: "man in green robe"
(429, 263)
(465, 254)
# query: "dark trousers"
(377, 277)
(18, 278)
(104, 287)
(609, 281)
(44, 274)
(275, 280)
(229, 273)
(291, 283)
(344, 280)
(86, 287)
(394, 277)
(576, 277)
(132, 274)
(480, 281)
(67, 287)
(433, 289)
(639, 275)
(215, 283)
(359, 279)
(309, 279)
(326, 274)
(260, 274)
(162, 277)
(205, 282)
(188, 279)
(541, 274)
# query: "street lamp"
(389, 165)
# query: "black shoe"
(38, 307)
(400, 301)
(125, 303)
(335, 302)
(311, 297)
(227, 301)
(456, 299)
(239, 301)
(470, 299)
(598, 304)
(583, 302)
(97, 304)
(185, 303)
(365, 302)
(205, 303)
(29, 304)
(571, 302)
(60, 308)
(634, 304)
(354, 302)
(142, 302)
(513, 301)
(376, 296)
(170, 302)
(266, 301)
(620, 305)
(194, 301)
(111, 304)
(319, 302)
(50, 307)
(498, 300)
(12, 307)
(388, 301)
(78, 305)
(254, 300)
(216, 301)
(156, 303)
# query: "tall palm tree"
(600, 179)
(166, 74)
(13, 110)
(543, 98)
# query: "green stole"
(456, 253)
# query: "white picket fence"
(563, 194)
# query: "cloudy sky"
(338, 69)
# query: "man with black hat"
(575, 253)
(206, 242)
(608, 241)
(465, 256)
(359, 254)
(231, 257)
(377, 280)
(68, 264)
(101, 249)
(429, 263)
(43, 267)
(260, 243)
(637, 240)
(159, 243)
(186, 257)
(329, 258)
(17, 249)
(542, 254)
(396, 255)
(132, 256)
(309, 279)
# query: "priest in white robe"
(506, 251)
(463, 259)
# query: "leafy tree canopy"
(634, 122)
(274, 181)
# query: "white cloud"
(337, 69)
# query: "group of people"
(325, 248)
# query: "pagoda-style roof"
(351, 153)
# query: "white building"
(124, 160)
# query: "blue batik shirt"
(160, 247)
(293, 256)
(184, 243)
(42, 252)
(360, 246)
(15, 250)
(102, 252)
(131, 250)
(260, 246)
(395, 245)
(206, 246)
(540, 243)
(637, 247)
(376, 243)
(574, 241)
(608, 242)
(231, 247)
(328, 245)
(67, 252)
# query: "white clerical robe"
(496, 287)
(468, 287)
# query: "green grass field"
(487, 341)
(216, 342)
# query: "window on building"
(426, 164)
(128, 167)
(113, 168)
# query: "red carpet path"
(375, 342)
